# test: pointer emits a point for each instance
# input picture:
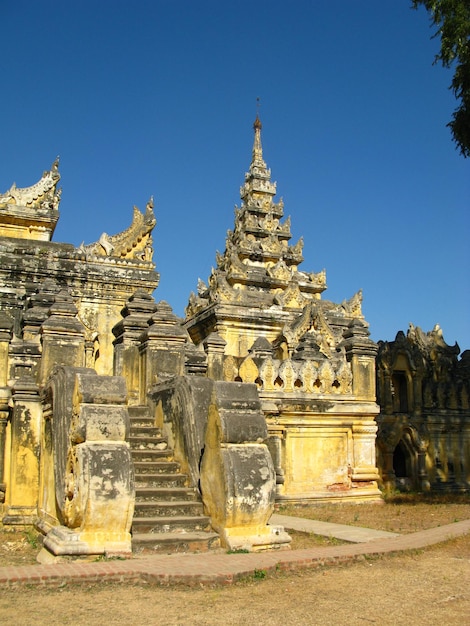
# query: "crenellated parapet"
(317, 378)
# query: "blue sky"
(158, 98)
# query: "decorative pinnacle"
(257, 155)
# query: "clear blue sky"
(158, 98)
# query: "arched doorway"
(403, 467)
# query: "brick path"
(221, 568)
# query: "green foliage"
(104, 557)
(452, 19)
(259, 574)
(32, 538)
(238, 551)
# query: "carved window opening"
(317, 383)
(450, 469)
(400, 392)
(401, 461)
(298, 383)
(278, 382)
(336, 384)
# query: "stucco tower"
(312, 359)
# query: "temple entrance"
(402, 466)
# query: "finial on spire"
(257, 154)
(257, 124)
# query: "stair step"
(160, 466)
(148, 443)
(138, 409)
(160, 480)
(141, 415)
(165, 543)
(174, 508)
(147, 455)
(168, 515)
(169, 494)
(145, 430)
(146, 422)
(159, 525)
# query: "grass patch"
(301, 540)
(32, 538)
(400, 513)
(238, 551)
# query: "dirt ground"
(429, 588)
(426, 587)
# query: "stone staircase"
(168, 514)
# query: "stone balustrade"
(291, 376)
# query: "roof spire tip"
(257, 124)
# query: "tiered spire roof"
(258, 262)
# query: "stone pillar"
(214, 346)
(387, 393)
(417, 394)
(162, 349)
(388, 473)
(361, 352)
(364, 469)
(465, 451)
(136, 318)
(423, 478)
(47, 505)
(63, 337)
(276, 435)
(38, 310)
(23, 485)
(6, 331)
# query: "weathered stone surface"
(238, 480)
(24, 468)
(100, 277)
(90, 388)
(423, 441)
(93, 477)
(239, 417)
(183, 404)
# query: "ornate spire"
(258, 265)
(258, 179)
(257, 158)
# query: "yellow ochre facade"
(126, 428)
